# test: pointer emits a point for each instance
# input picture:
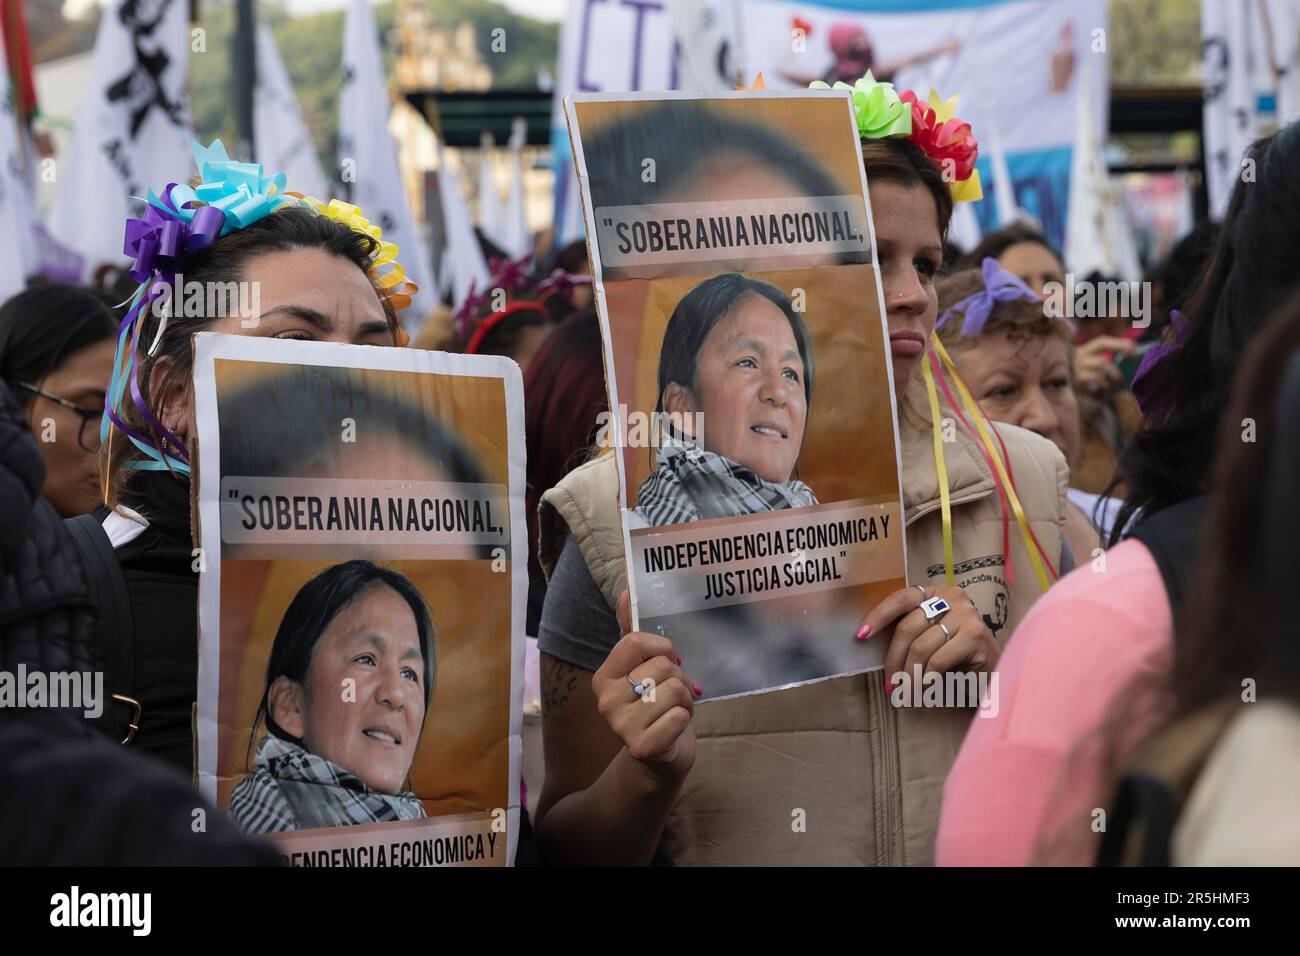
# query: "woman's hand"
(1094, 370)
(968, 644)
(655, 726)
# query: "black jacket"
(68, 796)
(163, 584)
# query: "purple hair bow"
(1152, 404)
(561, 282)
(999, 286)
(159, 240)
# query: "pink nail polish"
(679, 662)
(889, 688)
(699, 691)
(864, 631)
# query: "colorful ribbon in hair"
(999, 286)
(996, 456)
(185, 219)
(882, 113)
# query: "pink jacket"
(1080, 684)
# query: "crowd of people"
(1154, 687)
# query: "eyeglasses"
(88, 415)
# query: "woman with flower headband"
(728, 782)
(320, 273)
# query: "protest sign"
(362, 586)
(749, 380)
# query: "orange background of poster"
(462, 763)
(476, 404)
(848, 448)
(822, 125)
(463, 760)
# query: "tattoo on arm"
(559, 681)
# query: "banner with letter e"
(748, 375)
(361, 598)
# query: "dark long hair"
(310, 612)
(1256, 260)
(703, 308)
(225, 261)
(45, 325)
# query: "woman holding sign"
(303, 270)
(847, 770)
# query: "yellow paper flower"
(384, 267)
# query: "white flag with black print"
(133, 128)
(1230, 95)
(280, 136)
(370, 176)
(16, 205)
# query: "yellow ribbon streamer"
(977, 415)
(941, 466)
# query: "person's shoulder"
(1110, 610)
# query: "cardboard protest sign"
(748, 375)
(361, 599)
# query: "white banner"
(1016, 60)
(132, 131)
(16, 198)
(372, 178)
(280, 136)
(1230, 97)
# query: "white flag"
(462, 258)
(281, 139)
(1004, 193)
(371, 176)
(705, 33)
(491, 217)
(1098, 236)
(1230, 99)
(132, 132)
(16, 201)
(517, 240)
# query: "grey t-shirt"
(578, 625)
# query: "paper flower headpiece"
(947, 141)
(882, 113)
(184, 219)
(877, 108)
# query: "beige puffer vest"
(868, 777)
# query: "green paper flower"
(876, 107)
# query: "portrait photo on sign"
(753, 404)
(354, 705)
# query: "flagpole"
(245, 78)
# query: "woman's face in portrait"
(910, 252)
(749, 387)
(362, 702)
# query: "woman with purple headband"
(1016, 359)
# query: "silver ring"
(935, 608)
(639, 689)
(924, 593)
(947, 634)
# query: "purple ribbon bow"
(1143, 388)
(999, 286)
(159, 240)
(510, 273)
(561, 282)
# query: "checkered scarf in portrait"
(691, 484)
(292, 789)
